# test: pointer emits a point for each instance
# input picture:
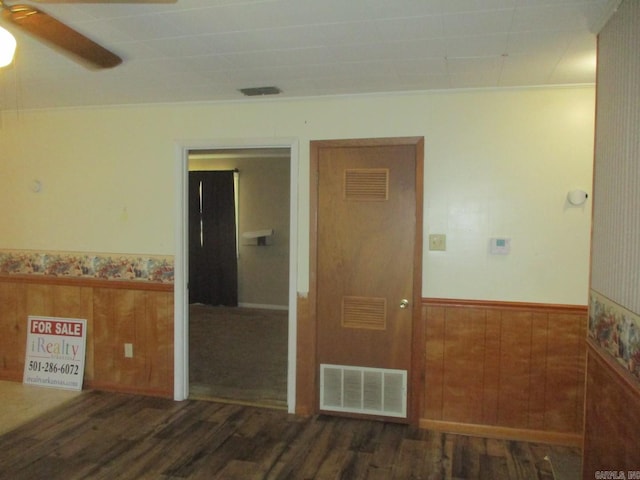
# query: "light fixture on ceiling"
(7, 47)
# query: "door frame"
(181, 260)
(308, 371)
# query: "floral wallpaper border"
(145, 268)
(616, 330)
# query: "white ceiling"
(205, 50)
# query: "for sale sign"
(55, 352)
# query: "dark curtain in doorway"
(213, 268)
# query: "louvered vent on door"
(373, 391)
(366, 184)
(364, 312)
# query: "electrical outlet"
(437, 241)
(128, 350)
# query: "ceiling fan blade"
(57, 34)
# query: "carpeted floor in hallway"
(238, 354)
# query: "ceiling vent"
(258, 91)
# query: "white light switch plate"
(437, 241)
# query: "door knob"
(404, 303)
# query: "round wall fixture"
(36, 186)
(577, 197)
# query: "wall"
(265, 269)
(496, 163)
(612, 412)
(263, 272)
(123, 298)
(616, 223)
(510, 370)
(613, 373)
(117, 312)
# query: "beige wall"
(497, 163)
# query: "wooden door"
(366, 252)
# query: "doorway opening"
(239, 351)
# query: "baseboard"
(491, 431)
(11, 376)
(263, 306)
(92, 385)
(111, 387)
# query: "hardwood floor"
(101, 435)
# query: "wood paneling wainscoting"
(503, 369)
(612, 434)
(306, 377)
(117, 312)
